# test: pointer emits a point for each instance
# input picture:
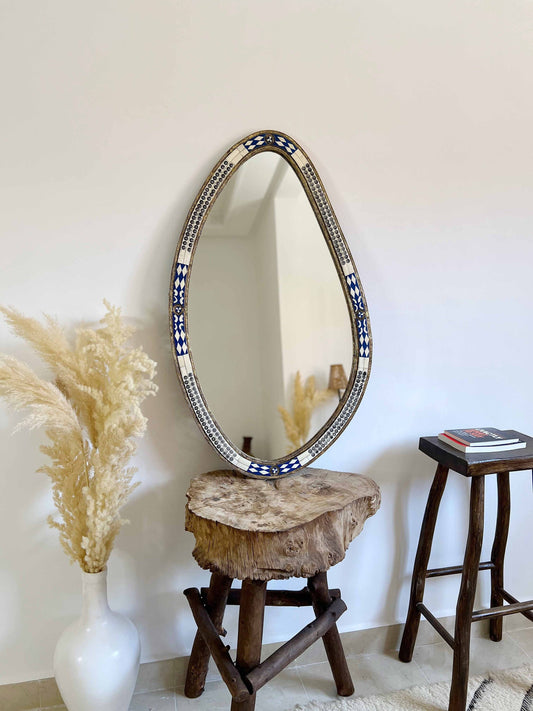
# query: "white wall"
(418, 117)
(269, 365)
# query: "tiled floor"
(373, 673)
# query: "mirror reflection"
(267, 316)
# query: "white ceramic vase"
(96, 660)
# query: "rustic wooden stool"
(255, 531)
(475, 466)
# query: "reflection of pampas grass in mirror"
(305, 399)
(91, 416)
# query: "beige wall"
(225, 336)
(418, 116)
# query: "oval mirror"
(270, 330)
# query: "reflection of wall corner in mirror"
(305, 399)
(337, 379)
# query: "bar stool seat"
(476, 467)
(258, 530)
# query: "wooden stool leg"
(318, 587)
(465, 602)
(498, 552)
(251, 616)
(418, 581)
(217, 596)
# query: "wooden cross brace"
(247, 675)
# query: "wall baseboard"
(170, 673)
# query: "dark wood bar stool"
(256, 531)
(475, 466)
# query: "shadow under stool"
(476, 467)
(258, 530)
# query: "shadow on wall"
(158, 560)
(404, 475)
(172, 452)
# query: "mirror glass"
(266, 311)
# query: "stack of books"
(481, 439)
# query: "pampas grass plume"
(91, 416)
(305, 399)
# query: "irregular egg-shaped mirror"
(269, 324)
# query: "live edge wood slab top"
(484, 463)
(296, 526)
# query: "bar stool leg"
(418, 582)
(318, 587)
(217, 597)
(498, 552)
(251, 616)
(465, 602)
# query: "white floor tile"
(436, 660)
(281, 694)
(216, 697)
(376, 673)
(154, 701)
(524, 639)
(371, 674)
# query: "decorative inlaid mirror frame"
(225, 168)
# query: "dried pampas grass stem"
(305, 399)
(91, 415)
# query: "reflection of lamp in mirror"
(337, 379)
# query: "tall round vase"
(96, 660)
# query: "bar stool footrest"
(456, 569)
(434, 622)
(489, 613)
(502, 610)
(511, 599)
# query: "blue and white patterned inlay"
(260, 469)
(364, 339)
(287, 146)
(272, 139)
(255, 142)
(179, 283)
(272, 470)
(287, 467)
(355, 293)
(180, 337)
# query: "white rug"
(510, 690)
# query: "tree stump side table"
(476, 467)
(258, 530)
